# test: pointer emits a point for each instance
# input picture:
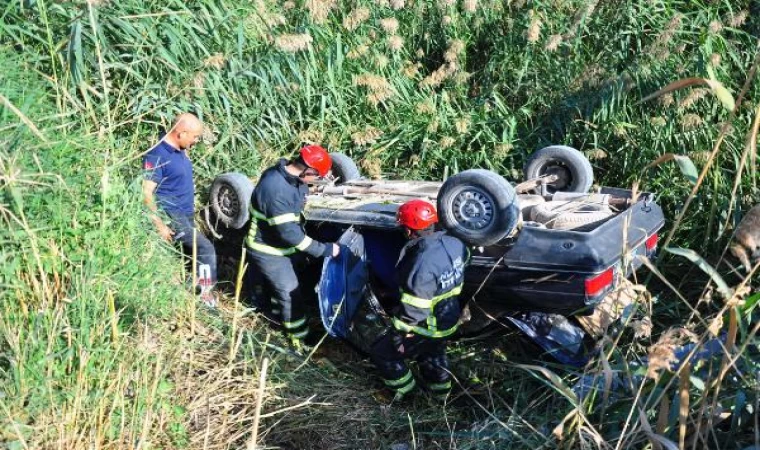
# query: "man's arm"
(294, 236)
(149, 198)
(288, 228)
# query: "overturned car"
(542, 250)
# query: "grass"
(101, 346)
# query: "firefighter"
(277, 243)
(168, 186)
(430, 273)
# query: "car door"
(343, 284)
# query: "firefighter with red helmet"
(430, 272)
(276, 240)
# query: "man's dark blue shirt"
(172, 170)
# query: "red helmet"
(317, 158)
(417, 214)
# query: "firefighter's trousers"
(391, 350)
(278, 275)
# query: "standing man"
(277, 242)
(168, 185)
(430, 272)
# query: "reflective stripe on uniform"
(304, 244)
(416, 301)
(295, 324)
(405, 389)
(400, 381)
(431, 321)
(299, 335)
(263, 248)
(405, 327)
(402, 385)
(252, 230)
(422, 303)
(440, 386)
(277, 220)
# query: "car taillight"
(651, 242)
(599, 282)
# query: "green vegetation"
(102, 347)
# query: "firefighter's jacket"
(430, 272)
(277, 205)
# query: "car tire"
(478, 206)
(230, 198)
(573, 168)
(344, 168)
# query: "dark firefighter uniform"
(276, 238)
(430, 272)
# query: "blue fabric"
(555, 334)
(383, 249)
(342, 286)
(172, 170)
(183, 226)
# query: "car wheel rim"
(473, 209)
(564, 176)
(228, 202)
